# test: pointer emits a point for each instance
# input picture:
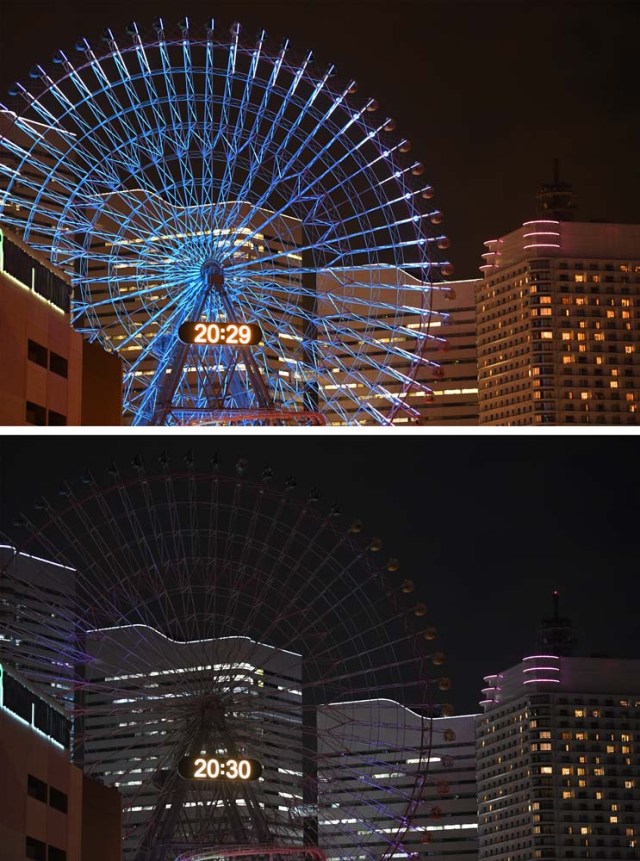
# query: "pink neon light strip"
(536, 681)
(540, 221)
(542, 233)
(543, 245)
(538, 669)
(534, 658)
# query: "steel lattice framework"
(139, 164)
(207, 612)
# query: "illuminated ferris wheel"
(256, 677)
(246, 232)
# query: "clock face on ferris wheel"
(213, 334)
(205, 767)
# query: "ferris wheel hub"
(212, 272)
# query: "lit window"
(580, 300)
(582, 348)
(611, 314)
(546, 334)
(566, 360)
(614, 373)
(545, 300)
(567, 793)
(579, 278)
(585, 829)
(599, 796)
(582, 784)
(598, 772)
(626, 315)
(598, 360)
(613, 384)
(625, 736)
(598, 336)
(567, 770)
(567, 336)
(629, 349)
(585, 397)
(546, 769)
(626, 748)
(581, 336)
(613, 819)
(629, 784)
(546, 312)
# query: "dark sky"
(489, 91)
(486, 526)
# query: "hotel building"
(557, 339)
(558, 769)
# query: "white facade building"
(152, 701)
(385, 806)
(37, 617)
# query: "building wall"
(101, 822)
(101, 386)
(557, 342)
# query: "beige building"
(556, 339)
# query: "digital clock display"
(219, 768)
(234, 334)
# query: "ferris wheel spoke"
(291, 159)
(274, 126)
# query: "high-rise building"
(37, 617)
(557, 338)
(167, 705)
(558, 770)
(364, 816)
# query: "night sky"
(489, 91)
(487, 526)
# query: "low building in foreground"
(49, 811)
